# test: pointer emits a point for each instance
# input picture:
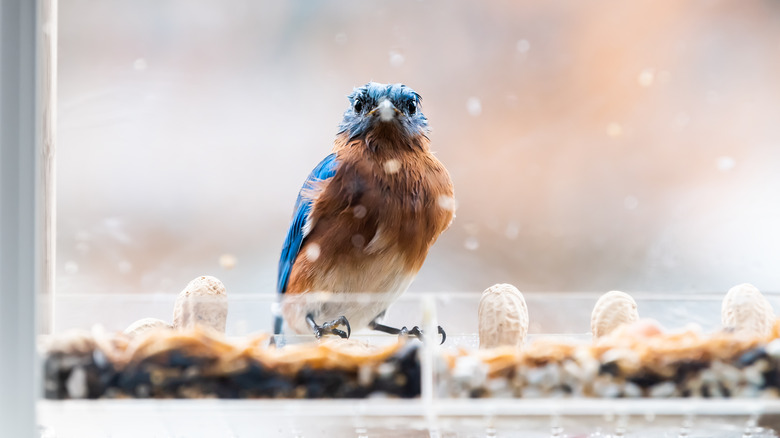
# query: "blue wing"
(292, 244)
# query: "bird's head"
(379, 108)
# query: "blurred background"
(593, 145)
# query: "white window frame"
(28, 30)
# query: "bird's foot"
(330, 328)
(404, 332)
(415, 332)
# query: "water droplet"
(47, 432)
(646, 77)
(140, 64)
(614, 130)
(241, 328)
(82, 247)
(447, 202)
(712, 97)
(630, 202)
(227, 261)
(682, 119)
(358, 241)
(396, 59)
(71, 268)
(392, 166)
(474, 106)
(471, 243)
(340, 38)
(359, 211)
(312, 251)
(125, 267)
(112, 222)
(512, 231)
(663, 77)
(523, 46)
(726, 163)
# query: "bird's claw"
(415, 332)
(330, 328)
(443, 334)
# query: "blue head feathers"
(374, 104)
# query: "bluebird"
(365, 218)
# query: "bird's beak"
(386, 110)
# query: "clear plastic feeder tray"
(432, 414)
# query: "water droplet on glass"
(682, 119)
(140, 64)
(471, 243)
(630, 202)
(71, 268)
(646, 77)
(312, 251)
(112, 222)
(125, 267)
(447, 202)
(340, 38)
(392, 166)
(396, 59)
(663, 77)
(512, 231)
(241, 328)
(115, 228)
(359, 211)
(726, 163)
(82, 247)
(712, 97)
(523, 46)
(614, 130)
(227, 261)
(46, 432)
(358, 241)
(474, 106)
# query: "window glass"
(593, 145)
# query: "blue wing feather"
(292, 244)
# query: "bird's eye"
(411, 107)
(358, 105)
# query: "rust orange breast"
(376, 218)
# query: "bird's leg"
(329, 327)
(415, 332)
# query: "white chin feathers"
(386, 111)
